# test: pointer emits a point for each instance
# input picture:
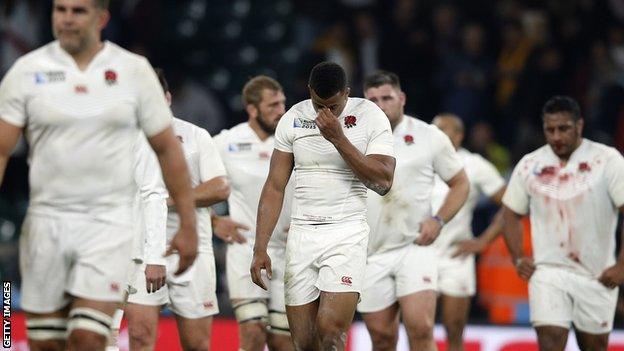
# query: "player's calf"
(46, 334)
(88, 329)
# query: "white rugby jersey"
(204, 163)
(326, 189)
(484, 179)
(150, 205)
(81, 125)
(422, 151)
(247, 160)
(573, 208)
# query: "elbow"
(382, 187)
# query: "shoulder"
(300, 109)
(36, 58)
(602, 149)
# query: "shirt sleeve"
(516, 196)
(446, 162)
(489, 181)
(153, 197)
(13, 96)
(210, 163)
(614, 174)
(380, 139)
(284, 134)
(153, 112)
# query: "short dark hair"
(327, 79)
(252, 91)
(562, 103)
(380, 78)
(160, 73)
(103, 4)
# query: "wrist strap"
(439, 220)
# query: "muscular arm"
(208, 193)
(513, 239)
(9, 135)
(375, 171)
(272, 197)
(459, 186)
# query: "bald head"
(452, 126)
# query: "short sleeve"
(284, 134)
(614, 174)
(489, 180)
(154, 114)
(210, 163)
(13, 96)
(446, 162)
(516, 196)
(380, 139)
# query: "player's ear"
(103, 18)
(168, 98)
(402, 98)
(579, 126)
(252, 111)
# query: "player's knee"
(198, 344)
(383, 338)
(331, 335)
(421, 329)
(85, 340)
(47, 345)
(279, 342)
(141, 334)
(454, 327)
(253, 333)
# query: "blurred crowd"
(492, 62)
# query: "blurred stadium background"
(493, 62)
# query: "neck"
(564, 159)
(84, 57)
(258, 130)
(397, 122)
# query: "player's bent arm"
(459, 186)
(272, 197)
(9, 135)
(376, 172)
(620, 258)
(513, 233)
(496, 226)
(209, 192)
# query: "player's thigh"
(103, 260)
(379, 286)
(47, 331)
(456, 276)
(454, 311)
(417, 270)
(195, 333)
(549, 301)
(301, 274)
(89, 322)
(195, 297)
(594, 305)
(336, 310)
(593, 342)
(383, 326)
(551, 338)
(45, 264)
(418, 312)
(302, 322)
(237, 264)
(142, 323)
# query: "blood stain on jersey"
(180, 138)
(114, 287)
(427, 279)
(264, 155)
(409, 140)
(584, 167)
(574, 257)
(110, 77)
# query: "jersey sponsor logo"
(238, 147)
(49, 77)
(346, 280)
(304, 123)
(350, 121)
(409, 140)
(110, 77)
(81, 89)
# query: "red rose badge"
(409, 140)
(350, 121)
(110, 77)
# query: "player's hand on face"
(155, 276)
(468, 247)
(429, 231)
(525, 267)
(228, 230)
(328, 125)
(261, 261)
(613, 276)
(185, 243)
